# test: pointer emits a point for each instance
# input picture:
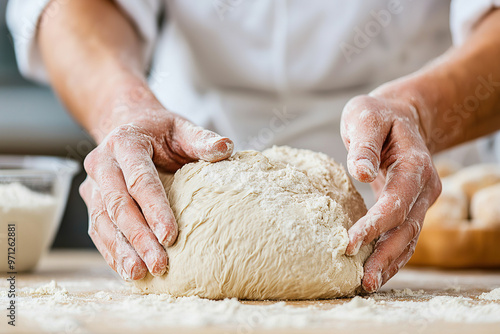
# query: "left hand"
(386, 145)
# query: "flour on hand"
(270, 225)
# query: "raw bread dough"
(485, 207)
(269, 225)
(451, 208)
(477, 177)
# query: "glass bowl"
(33, 194)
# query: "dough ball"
(485, 207)
(450, 208)
(269, 225)
(477, 177)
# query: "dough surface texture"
(270, 225)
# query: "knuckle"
(428, 167)
(420, 164)
(374, 230)
(138, 236)
(111, 245)
(94, 219)
(393, 271)
(122, 131)
(115, 203)
(357, 102)
(414, 228)
(91, 231)
(129, 136)
(90, 162)
(392, 204)
(438, 188)
(138, 181)
(366, 108)
(418, 159)
(388, 261)
(411, 247)
(411, 251)
(365, 149)
(110, 261)
(84, 188)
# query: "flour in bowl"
(33, 215)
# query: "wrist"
(131, 101)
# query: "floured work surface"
(75, 292)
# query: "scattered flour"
(492, 295)
(33, 214)
(47, 289)
(407, 292)
(52, 308)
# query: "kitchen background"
(33, 121)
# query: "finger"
(124, 213)
(199, 143)
(364, 129)
(110, 242)
(400, 262)
(410, 249)
(394, 248)
(143, 183)
(404, 183)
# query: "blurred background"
(33, 121)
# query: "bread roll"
(450, 209)
(485, 207)
(474, 178)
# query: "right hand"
(130, 219)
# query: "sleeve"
(23, 21)
(465, 14)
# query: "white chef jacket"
(267, 72)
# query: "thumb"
(364, 131)
(363, 159)
(199, 143)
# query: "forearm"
(92, 54)
(457, 96)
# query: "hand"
(386, 145)
(130, 217)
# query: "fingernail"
(356, 248)
(126, 270)
(123, 274)
(137, 272)
(378, 281)
(133, 270)
(221, 148)
(385, 276)
(353, 235)
(366, 167)
(162, 271)
(155, 263)
(169, 239)
(223, 144)
(168, 233)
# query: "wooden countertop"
(84, 273)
